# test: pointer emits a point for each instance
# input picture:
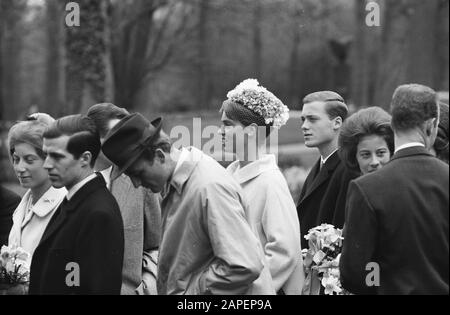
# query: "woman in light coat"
(249, 116)
(39, 203)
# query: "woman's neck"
(38, 192)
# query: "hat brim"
(157, 123)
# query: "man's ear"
(86, 158)
(160, 155)
(337, 123)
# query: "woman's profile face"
(233, 135)
(372, 153)
(28, 166)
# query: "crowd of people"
(109, 194)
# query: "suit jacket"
(207, 246)
(8, 203)
(86, 231)
(323, 196)
(397, 217)
(141, 215)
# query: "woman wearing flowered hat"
(249, 116)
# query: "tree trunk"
(410, 47)
(359, 87)
(87, 58)
(54, 67)
(12, 12)
(294, 78)
(2, 28)
(130, 46)
(203, 60)
(441, 47)
(257, 39)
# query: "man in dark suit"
(8, 204)
(323, 195)
(81, 251)
(396, 237)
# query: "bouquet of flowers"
(14, 270)
(321, 260)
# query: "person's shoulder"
(8, 197)
(438, 163)
(102, 199)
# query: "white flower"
(331, 285)
(319, 256)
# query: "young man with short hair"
(81, 251)
(323, 195)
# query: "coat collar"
(411, 151)
(46, 204)
(184, 171)
(242, 175)
(49, 201)
(326, 171)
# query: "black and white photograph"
(232, 152)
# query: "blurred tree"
(204, 82)
(257, 37)
(54, 81)
(360, 57)
(144, 36)
(414, 42)
(87, 57)
(12, 13)
(294, 71)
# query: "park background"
(179, 58)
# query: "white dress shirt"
(324, 160)
(106, 173)
(77, 187)
(409, 145)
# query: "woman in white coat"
(41, 200)
(249, 116)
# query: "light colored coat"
(273, 214)
(27, 230)
(141, 215)
(207, 246)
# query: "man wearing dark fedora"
(140, 209)
(207, 246)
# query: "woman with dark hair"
(366, 141)
(25, 141)
(249, 116)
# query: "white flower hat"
(258, 99)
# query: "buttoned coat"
(323, 196)
(273, 214)
(83, 241)
(27, 230)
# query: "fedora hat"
(125, 143)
